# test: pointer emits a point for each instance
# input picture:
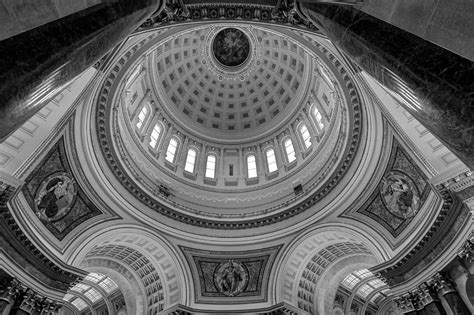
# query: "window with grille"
(251, 166)
(190, 161)
(171, 151)
(290, 150)
(155, 135)
(211, 166)
(271, 161)
(305, 136)
(142, 117)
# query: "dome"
(265, 138)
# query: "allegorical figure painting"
(55, 197)
(400, 195)
(231, 47)
(230, 278)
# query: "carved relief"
(231, 278)
(400, 195)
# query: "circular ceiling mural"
(231, 47)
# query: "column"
(37, 64)
(436, 84)
(446, 288)
(429, 300)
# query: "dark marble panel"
(54, 195)
(436, 83)
(400, 195)
(37, 64)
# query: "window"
(350, 281)
(108, 285)
(142, 117)
(365, 290)
(190, 161)
(211, 166)
(305, 135)
(290, 150)
(271, 161)
(79, 304)
(363, 273)
(251, 166)
(93, 295)
(155, 135)
(68, 297)
(80, 287)
(94, 277)
(171, 151)
(319, 118)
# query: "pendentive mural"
(54, 195)
(236, 277)
(400, 194)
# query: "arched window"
(171, 151)
(271, 161)
(319, 118)
(190, 161)
(290, 150)
(155, 135)
(211, 166)
(251, 166)
(142, 116)
(305, 135)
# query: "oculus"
(55, 197)
(231, 47)
(400, 195)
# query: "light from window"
(271, 161)
(80, 287)
(318, 117)
(306, 136)
(190, 161)
(94, 277)
(155, 134)
(171, 151)
(108, 285)
(68, 297)
(79, 304)
(377, 283)
(350, 281)
(290, 150)
(93, 295)
(142, 116)
(211, 166)
(251, 166)
(363, 273)
(365, 290)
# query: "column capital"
(442, 283)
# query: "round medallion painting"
(400, 195)
(55, 197)
(230, 278)
(231, 47)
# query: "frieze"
(175, 12)
(103, 108)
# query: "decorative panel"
(400, 194)
(231, 277)
(54, 195)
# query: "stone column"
(428, 299)
(436, 84)
(37, 64)
(446, 288)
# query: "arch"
(153, 247)
(303, 248)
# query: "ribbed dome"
(225, 102)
